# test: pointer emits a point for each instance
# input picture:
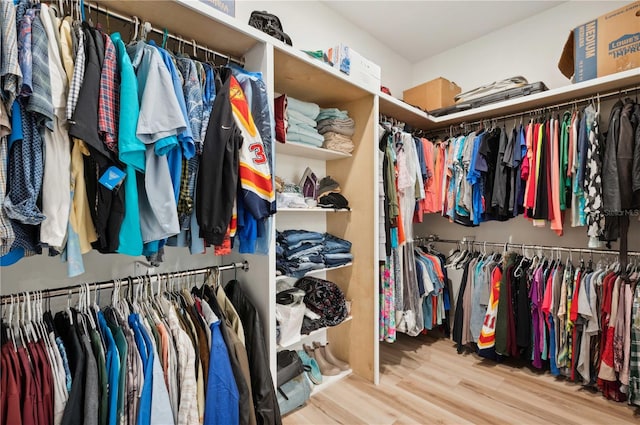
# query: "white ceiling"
(420, 29)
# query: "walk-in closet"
(319, 212)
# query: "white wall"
(530, 48)
(313, 26)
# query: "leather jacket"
(264, 395)
(610, 177)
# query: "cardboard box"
(360, 69)
(606, 45)
(434, 94)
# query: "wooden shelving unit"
(307, 79)
(308, 151)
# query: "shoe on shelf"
(326, 368)
(314, 373)
(329, 356)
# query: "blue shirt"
(222, 398)
(112, 358)
(131, 151)
(186, 136)
(145, 347)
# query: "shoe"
(326, 368)
(314, 374)
(329, 356)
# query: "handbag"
(289, 366)
(270, 24)
(294, 394)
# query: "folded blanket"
(308, 109)
(338, 142)
(331, 113)
(296, 117)
(340, 126)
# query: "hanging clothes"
(80, 108)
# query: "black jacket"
(264, 395)
(217, 182)
(107, 206)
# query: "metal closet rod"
(132, 19)
(109, 284)
(436, 239)
(593, 97)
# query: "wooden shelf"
(315, 272)
(302, 77)
(306, 339)
(609, 83)
(314, 209)
(404, 112)
(193, 20)
(327, 381)
(308, 151)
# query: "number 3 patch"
(259, 157)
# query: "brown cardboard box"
(606, 45)
(434, 94)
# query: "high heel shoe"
(326, 368)
(329, 356)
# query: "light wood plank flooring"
(424, 381)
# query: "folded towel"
(331, 113)
(304, 130)
(340, 126)
(296, 117)
(309, 109)
(302, 138)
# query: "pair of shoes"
(329, 356)
(326, 368)
(313, 373)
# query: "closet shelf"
(608, 83)
(194, 20)
(308, 151)
(315, 272)
(328, 381)
(310, 210)
(302, 77)
(392, 107)
(313, 336)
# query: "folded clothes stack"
(301, 117)
(301, 251)
(337, 129)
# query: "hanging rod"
(109, 284)
(132, 20)
(436, 239)
(542, 109)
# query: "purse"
(270, 24)
(289, 366)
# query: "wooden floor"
(424, 381)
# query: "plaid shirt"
(6, 231)
(109, 101)
(188, 410)
(10, 72)
(78, 72)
